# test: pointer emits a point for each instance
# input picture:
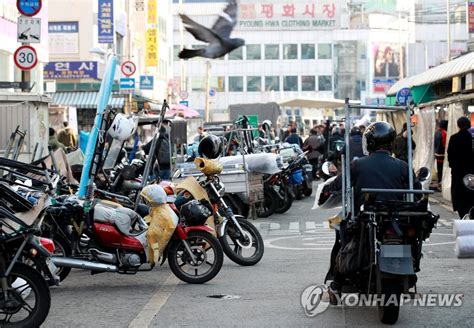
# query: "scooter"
(116, 240)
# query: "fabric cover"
(464, 247)
(162, 222)
(463, 228)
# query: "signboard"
(128, 68)
(151, 59)
(470, 15)
(290, 15)
(183, 94)
(29, 7)
(25, 58)
(389, 60)
(63, 37)
(184, 103)
(382, 85)
(14, 85)
(146, 82)
(127, 83)
(28, 30)
(105, 20)
(212, 92)
(70, 70)
(403, 96)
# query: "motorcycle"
(240, 239)
(25, 299)
(115, 239)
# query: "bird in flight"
(218, 36)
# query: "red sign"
(25, 58)
(470, 13)
(128, 68)
(29, 7)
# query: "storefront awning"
(315, 103)
(455, 67)
(84, 99)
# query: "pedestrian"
(337, 139)
(355, 144)
(294, 138)
(287, 132)
(461, 162)
(53, 141)
(200, 134)
(362, 129)
(400, 145)
(439, 149)
(162, 157)
(67, 137)
(312, 144)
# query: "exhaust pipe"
(81, 264)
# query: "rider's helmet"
(211, 147)
(122, 127)
(378, 135)
(153, 195)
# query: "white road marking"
(294, 226)
(446, 222)
(310, 225)
(154, 305)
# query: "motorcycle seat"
(121, 217)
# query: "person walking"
(439, 149)
(67, 137)
(355, 144)
(53, 141)
(162, 157)
(461, 161)
(294, 138)
(312, 144)
(400, 145)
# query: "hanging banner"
(152, 12)
(151, 59)
(105, 19)
(470, 9)
(63, 37)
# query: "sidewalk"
(437, 198)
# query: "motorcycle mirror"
(423, 174)
(326, 168)
(468, 181)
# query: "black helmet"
(195, 212)
(211, 147)
(379, 135)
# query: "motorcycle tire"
(285, 205)
(388, 313)
(62, 248)
(201, 238)
(36, 285)
(267, 207)
(234, 250)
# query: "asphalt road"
(297, 248)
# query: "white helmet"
(122, 127)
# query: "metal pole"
(448, 16)
(208, 88)
(410, 155)
(346, 157)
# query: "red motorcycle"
(115, 240)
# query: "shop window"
(290, 83)
(272, 83)
(218, 83)
(254, 83)
(236, 83)
(254, 52)
(272, 51)
(237, 54)
(307, 51)
(308, 83)
(324, 51)
(325, 83)
(290, 51)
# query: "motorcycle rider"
(378, 170)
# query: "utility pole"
(448, 16)
(208, 89)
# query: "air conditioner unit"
(50, 86)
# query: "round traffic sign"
(25, 58)
(29, 7)
(212, 92)
(128, 68)
(183, 94)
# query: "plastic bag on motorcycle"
(196, 212)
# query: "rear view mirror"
(329, 168)
(423, 174)
(468, 181)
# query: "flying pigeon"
(218, 37)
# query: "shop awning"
(455, 67)
(315, 103)
(84, 99)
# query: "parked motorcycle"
(116, 240)
(24, 293)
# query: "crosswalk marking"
(310, 225)
(294, 226)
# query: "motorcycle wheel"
(286, 204)
(307, 191)
(267, 207)
(206, 249)
(388, 313)
(30, 298)
(63, 249)
(242, 253)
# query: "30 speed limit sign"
(25, 58)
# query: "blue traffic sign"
(403, 96)
(184, 103)
(146, 82)
(29, 7)
(127, 83)
(212, 92)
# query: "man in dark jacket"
(162, 167)
(400, 145)
(294, 138)
(355, 144)
(461, 162)
(312, 145)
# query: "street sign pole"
(25, 78)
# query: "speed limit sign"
(25, 58)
